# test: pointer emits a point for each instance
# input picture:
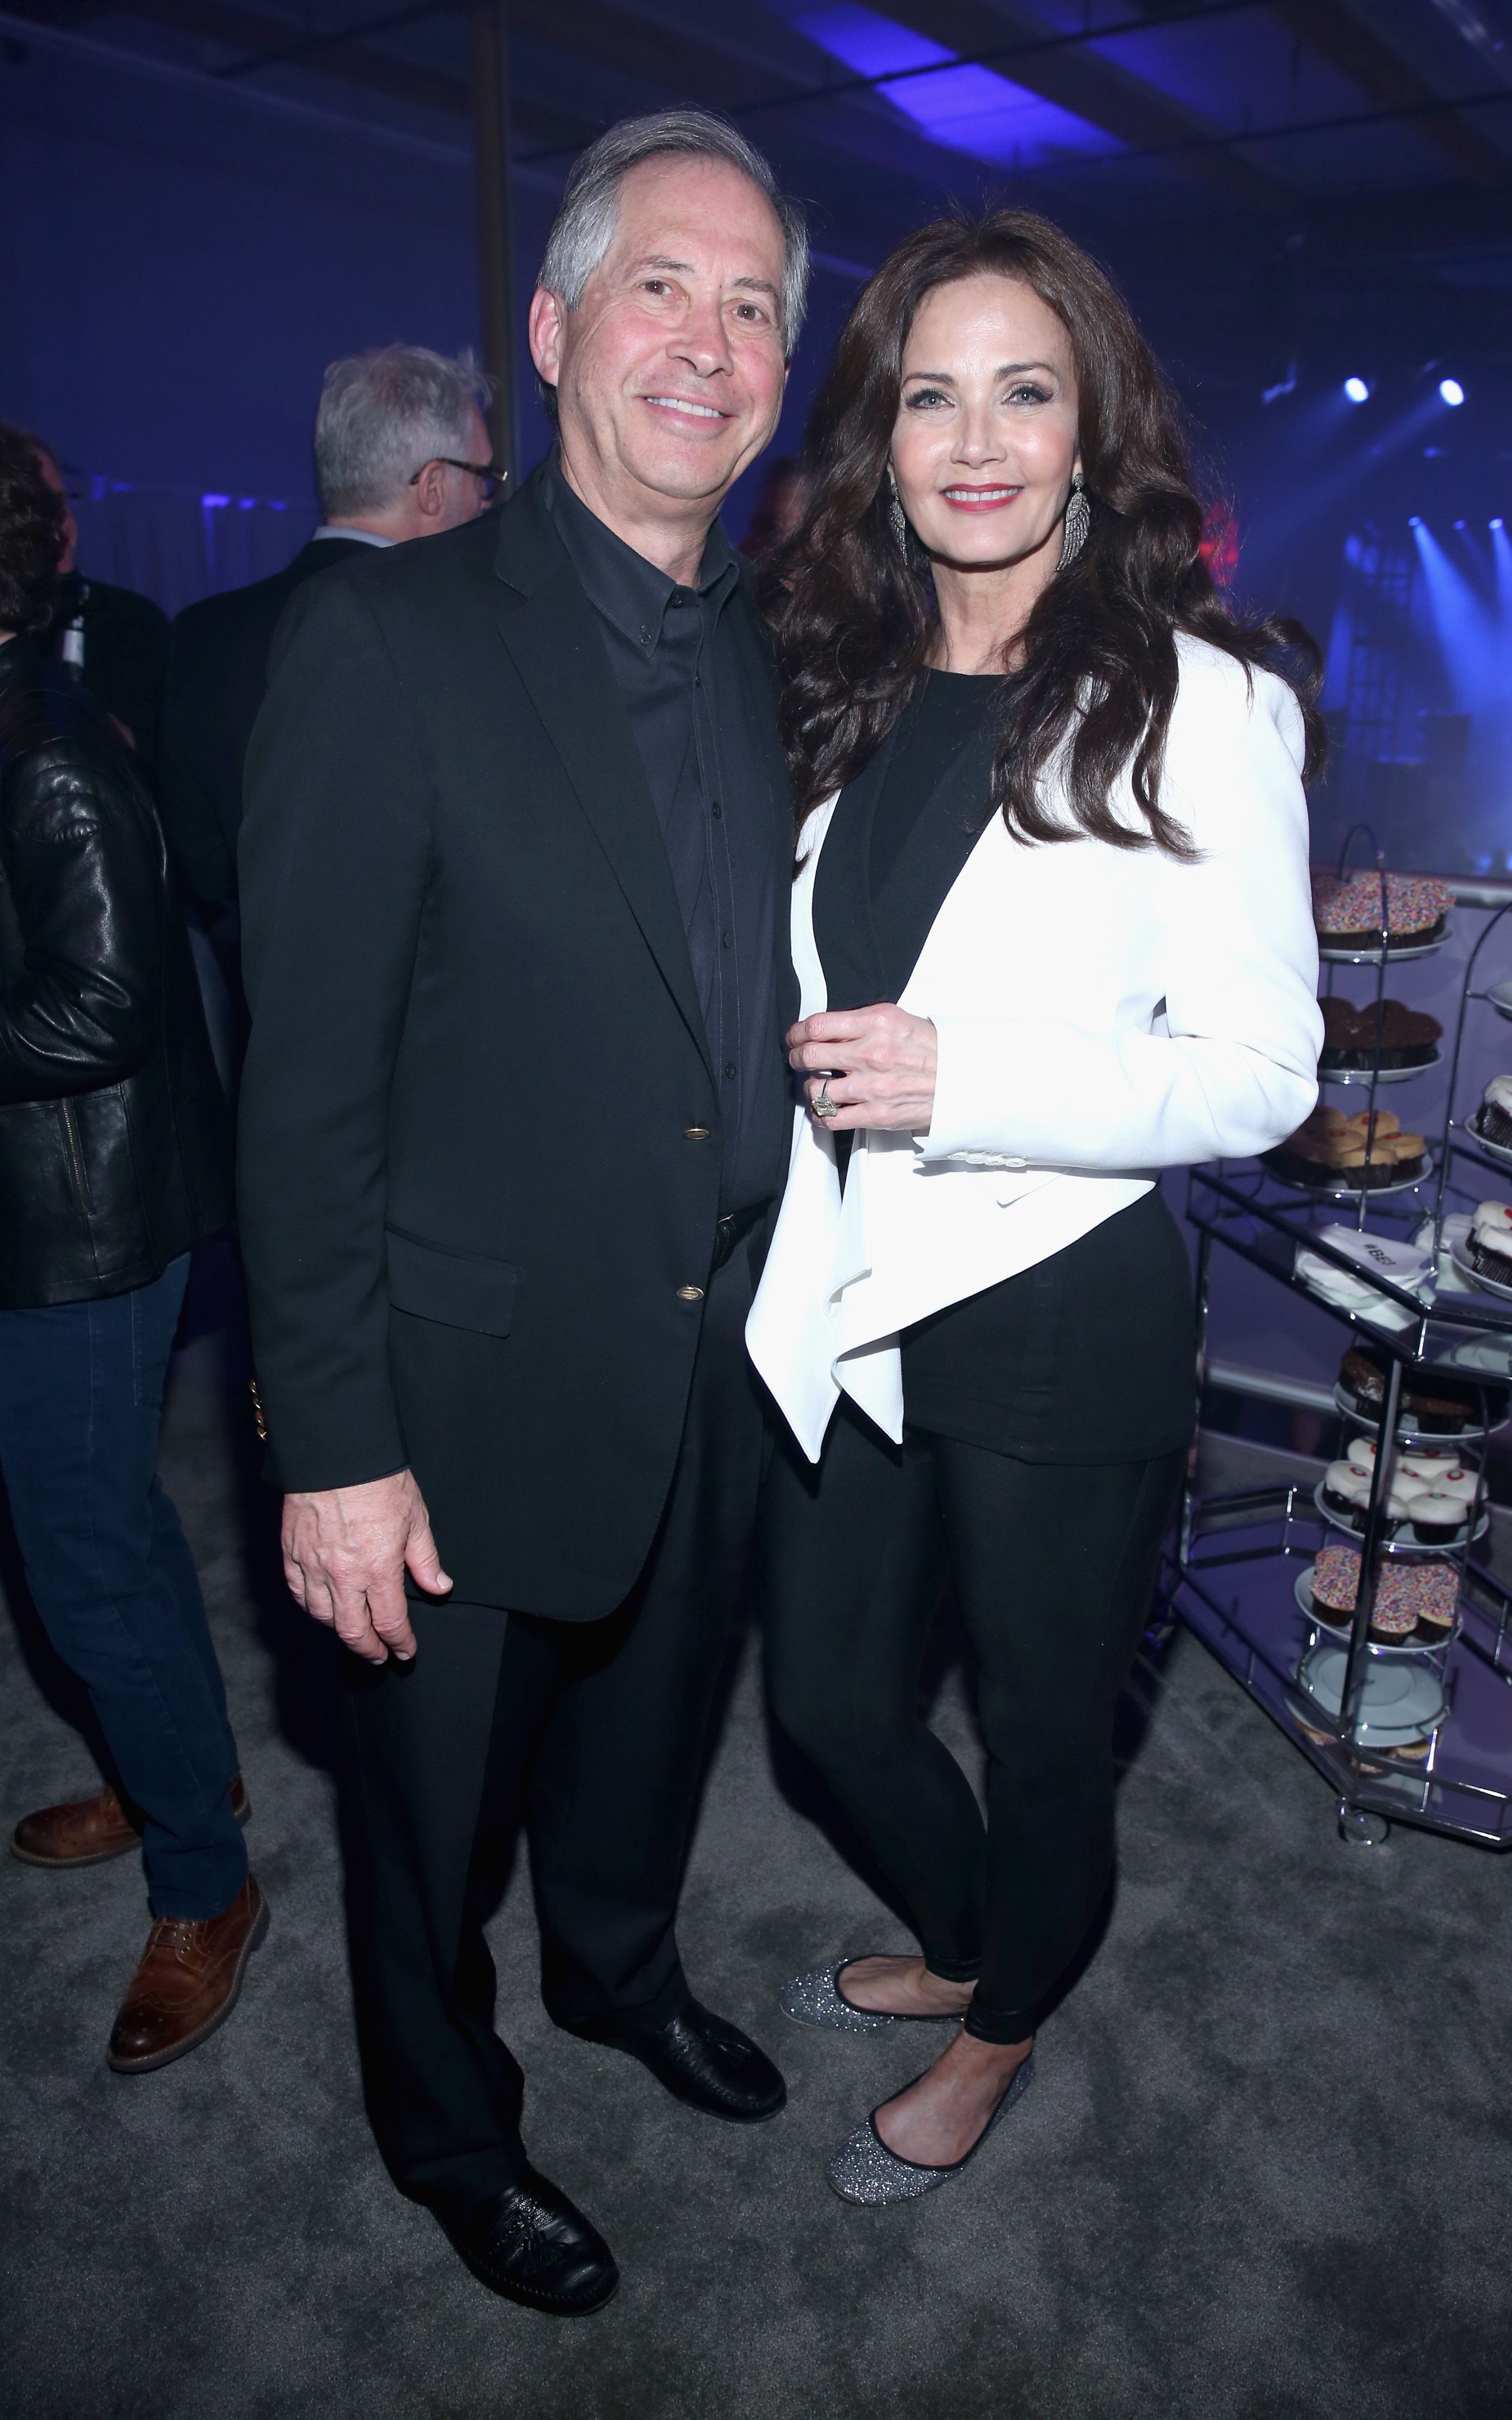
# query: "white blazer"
(1103, 1014)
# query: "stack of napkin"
(1406, 1266)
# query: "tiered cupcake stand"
(1417, 1732)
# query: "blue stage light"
(1414, 520)
(1462, 524)
(1451, 393)
(1497, 523)
(1357, 391)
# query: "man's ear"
(545, 327)
(430, 491)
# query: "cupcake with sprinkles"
(1347, 911)
(1414, 1604)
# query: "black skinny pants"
(1053, 1566)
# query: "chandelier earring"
(1078, 520)
(896, 519)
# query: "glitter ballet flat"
(864, 2170)
(815, 1999)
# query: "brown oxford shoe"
(187, 1983)
(87, 1831)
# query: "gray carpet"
(1263, 2171)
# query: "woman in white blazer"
(1053, 929)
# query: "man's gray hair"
(583, 227)
(385, 413)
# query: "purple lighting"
(967, 109)
(1451, 393)
(1357, 391)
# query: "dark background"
(201, 205)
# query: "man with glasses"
(400, 451)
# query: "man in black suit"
(515, 874)
(400, 451)
(115, 640)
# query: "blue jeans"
(80, 1403)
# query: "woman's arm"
(1236, 1071)
(87, 881)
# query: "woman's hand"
(880, 1062)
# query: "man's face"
(49, 471)
(669, 372)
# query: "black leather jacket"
(115, 1145)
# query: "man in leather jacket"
(114, 1161)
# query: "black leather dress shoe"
(532, 2245)
(705, 2061)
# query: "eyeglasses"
(488, 473)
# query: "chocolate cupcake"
(1437, 1519)
(1357, 1039)
(1493, 1118)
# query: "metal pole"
(1356, 1661)
(489, 30)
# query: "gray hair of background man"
(583, 227)
(383, 415)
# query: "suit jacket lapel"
(547, 625)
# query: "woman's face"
(985, 440)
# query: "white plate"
(1483, 1355)
(1400, 1546)
(1399, 1700)
(1407, 1425)
(1500, 996)
(1340, 1624)
(1382, 1075)
(1484, 1284)
(1372, 957)
(1500, 1152)
(1351, 1192)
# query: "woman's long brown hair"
(854, 615)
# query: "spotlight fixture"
(1451, 393)
(1414, 520)
(1357, 391)
(1497, 523)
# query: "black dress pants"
(1053, 1566)
(590, 1733)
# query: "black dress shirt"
(1089, 1356)
(695, 711)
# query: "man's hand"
(346, 1551)
(881, 1061)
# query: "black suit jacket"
(217, 678)
(125, 656)
(480, 1132)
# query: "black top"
(687, 687)
(1090, 1355)
(114, 1144)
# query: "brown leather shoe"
(87, 1831)
(187, 1983)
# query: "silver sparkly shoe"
(815, 1999)
(864, 2170)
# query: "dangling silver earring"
(895, 515)
(1078, 520)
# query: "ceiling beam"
(1330, 29)
(1092, 89)
(241, 31)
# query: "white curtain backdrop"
(176, 545)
